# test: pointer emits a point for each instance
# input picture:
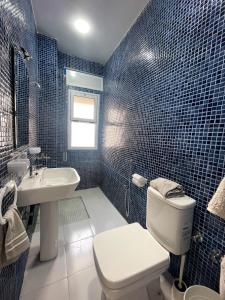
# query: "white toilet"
(128, 258)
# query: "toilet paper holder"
(139, 180)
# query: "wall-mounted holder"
(36, 84)
(26, 54)
(197, 237)
(18, 166)
(216, 256)
(34, 150)
(139, 180)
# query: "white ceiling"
(110, 20)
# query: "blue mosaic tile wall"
(48, 98)
(164, 115)
(52, 123)
(86, 162)
(21, 101)
(16, 27)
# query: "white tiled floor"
(72, 274)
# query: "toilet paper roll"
(139, 180)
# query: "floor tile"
(85, 285)
(79, 256)
(98, 205)
(35, 243)
(48, 280)
(39, 274)
(139, 294)
(104, 223)
(77, 231)
(56, 291)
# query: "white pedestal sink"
(47, 187)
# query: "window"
(83, 120)
(84, 80)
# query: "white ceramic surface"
(199, 292)
(123, 244)
(176, 294)
(45, 281)
(170, 218)
(35, 150)
(18, 166)
(49, 184)
(46, 187)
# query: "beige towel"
(217, 204)
(13, 238)
(167, 188)
(222, 279)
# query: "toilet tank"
(170, 220)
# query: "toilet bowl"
(129, 258)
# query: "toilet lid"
(126, 254)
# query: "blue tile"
(164, 116)
(87, 162)
(16, 27)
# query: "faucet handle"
(43, 156)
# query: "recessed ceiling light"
(82, 26)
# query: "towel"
(167, 188)
(13, 237)
(222, 279)
(217, 204)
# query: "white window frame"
(71, 119)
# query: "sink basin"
(48, 184)
(46, 187)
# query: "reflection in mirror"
(21, 101)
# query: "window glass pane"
(83, 80)
(84, 107)
(83, 134)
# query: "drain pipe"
(127, 197)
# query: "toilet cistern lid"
(126, 254)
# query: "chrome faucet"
(40, 157)
(31, 167)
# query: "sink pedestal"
(47, 187)
(49, 222)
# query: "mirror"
(20, 99)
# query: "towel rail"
(10, 186)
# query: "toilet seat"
(126, 255)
